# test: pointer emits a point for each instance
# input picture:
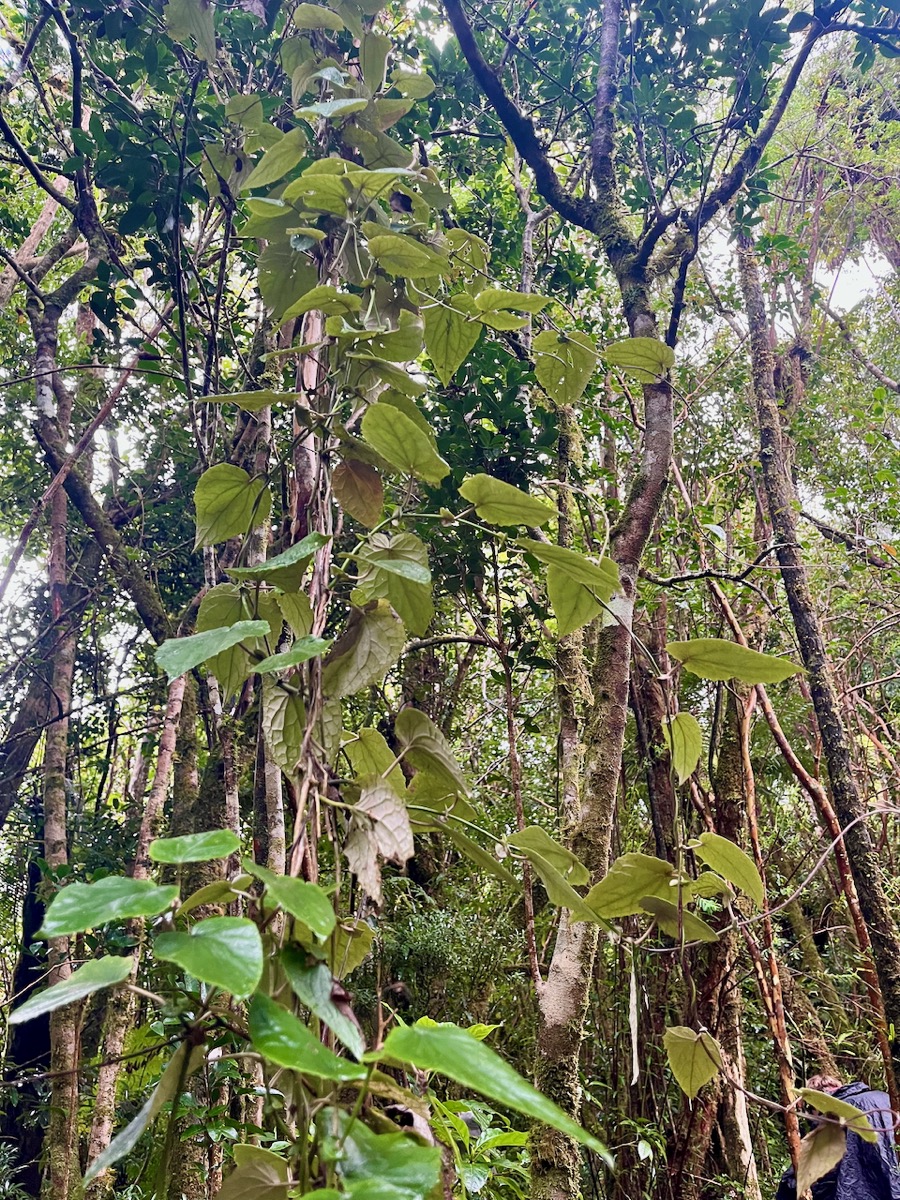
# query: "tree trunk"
(849, 804)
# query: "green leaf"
(259, 1175)
(694, 1058)
(322, 193)
(470, 1063)
(192, 19)
(285, 570)
(214, 893)
(82, 906)
(401, 255)
(502, 320)
(819, 1152)
(730, 861)
(325, 299)
(390, 820)
(302, 651)
(92, 977)
(224, 606)
(177, 656)
(315, 987)
(371, 756)
(373, 54)
(716, 658)
(226, 952)
(563, 364)
(481, 857)
(495, 299)
(284, 724)
(284, 274)
(296, 610)
(183, 1063)
(332, 110)
(195, 847)
(848, 1114)
(500, 503)
(286, 154)
(559, 891)
(314, 16)
(577, 586)
(229, 504)
(425, 748)
(416, 84)
(398, 568)
(383, 1166)
(401, 344)
(349, 946)
(399, 440)
(359, 491)
(252, 401)
(684, 740)
(284, 1040)
(706, 886)
(533, 837)
(676, 923)
(647, 359)
(573, 604)
(369, 646)
(630, 878)
(450, 335)
(305, 901)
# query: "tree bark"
(849, 804)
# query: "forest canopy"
(449, 598)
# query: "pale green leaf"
(400, 441)
(371, 756)
(415, 84)
(302, 651)
(450, 335)
(647, 359)
(630, 878)
(533, 837)
(500, 503)
(573, 604)
(192, 21)
(284, 274)
(832, 1106)
(732, 863)
(563, 364)
(694, 1058)
(717, 658)
(678, 922)
(314, 16)
(229, 504)
(324, 299)
(373, 54)
(333, 110)
(684, 740)
(425, 748)
(820, 1151)
(253, 401)
(399, 254)
(297, 611)
(278, 160)
(495, 299)
(92, 977)
(305, 901)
